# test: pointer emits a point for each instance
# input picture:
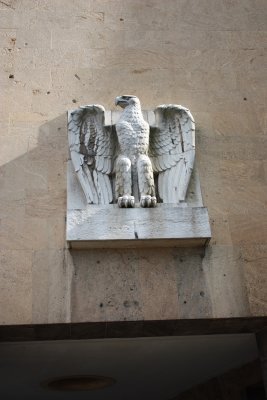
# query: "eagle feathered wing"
(172, 151)
(92, 148)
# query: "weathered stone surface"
(105, 286)
(256, 278)
(138, 284)
(224, 277)
(165, 226)
(50, 287)
(16, 286)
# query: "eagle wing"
(91, 145)
(172, 151)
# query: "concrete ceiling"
(144, 368)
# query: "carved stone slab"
(185, 224)
(110, 226)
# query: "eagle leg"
(146, 182)
(123, 185)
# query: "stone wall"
(208, 55)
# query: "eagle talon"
(126, 201)
(148, 201)
(153, 201)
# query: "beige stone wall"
(208, 55)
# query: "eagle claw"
(148, 201)
(126, 201)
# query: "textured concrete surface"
(207, 55)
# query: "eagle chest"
(133, 137)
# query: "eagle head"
(126, 100)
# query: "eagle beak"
(117, 100)
(122, 101)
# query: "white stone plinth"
(111, 226)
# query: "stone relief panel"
(134, 160)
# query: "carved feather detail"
(92, 148)
(172, 151)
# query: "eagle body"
(132, 132)
(134, 172)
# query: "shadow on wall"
(32, 230)
(34, 188)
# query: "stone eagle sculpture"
(131, 161)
